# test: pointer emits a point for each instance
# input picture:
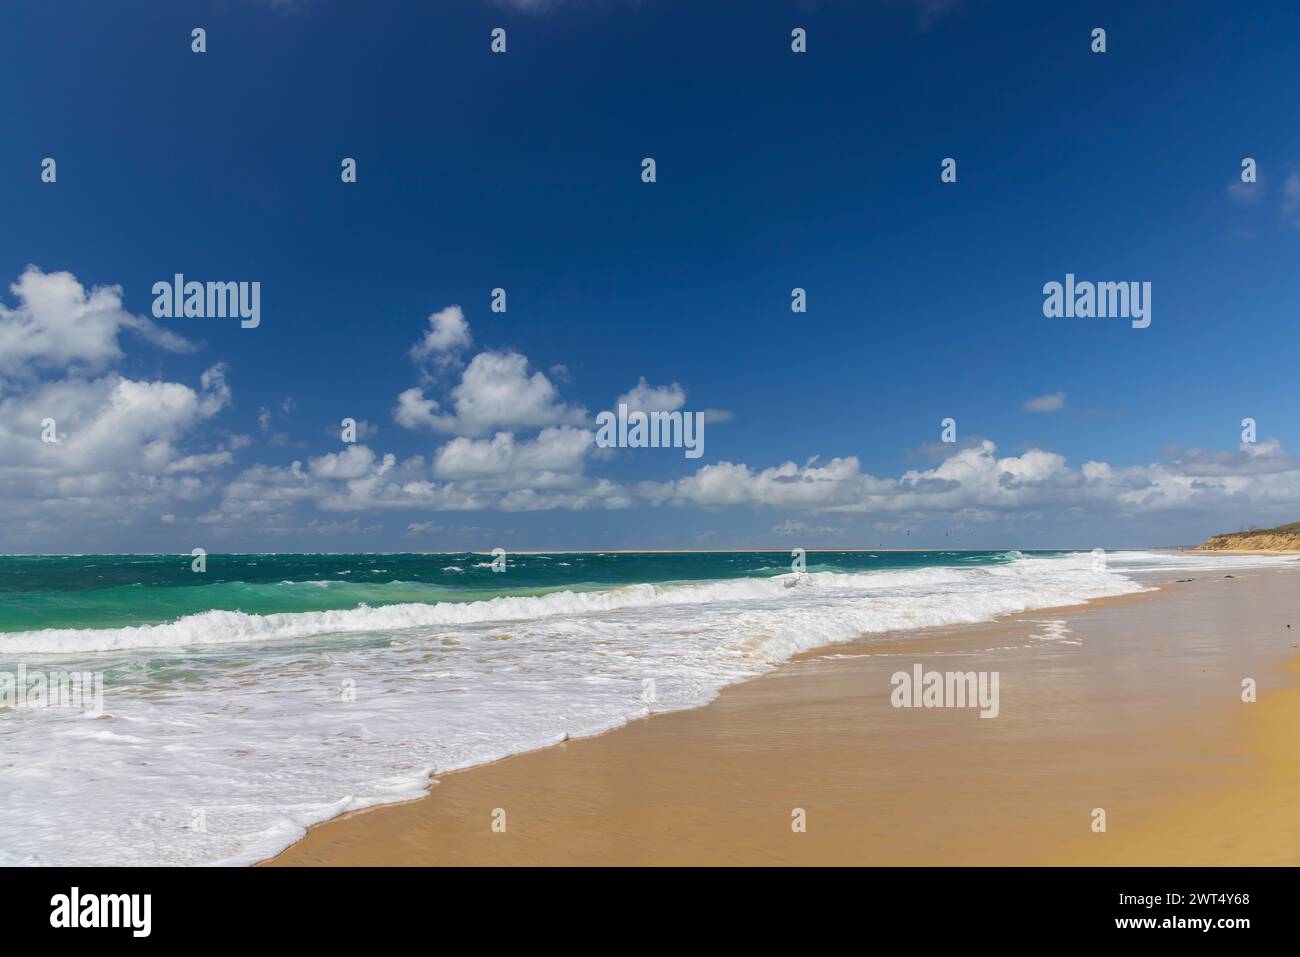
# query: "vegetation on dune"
(1283, 538)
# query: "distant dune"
(1284, 538)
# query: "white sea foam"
(247, 718)
(1052, 629)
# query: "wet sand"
(1132, 705)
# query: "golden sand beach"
(1130, 705)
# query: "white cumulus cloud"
(57, 324)
(1052, 402)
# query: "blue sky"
(522, 171)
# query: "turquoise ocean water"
(110, 591)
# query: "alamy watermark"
(946, 689)
(1100, 300)
(179, 299)
(652, 430)
(83, 690)
(75, 909)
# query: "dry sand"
(1137, 710)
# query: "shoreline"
(1242, 551)
(717, 784)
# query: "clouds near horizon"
(149, 451)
